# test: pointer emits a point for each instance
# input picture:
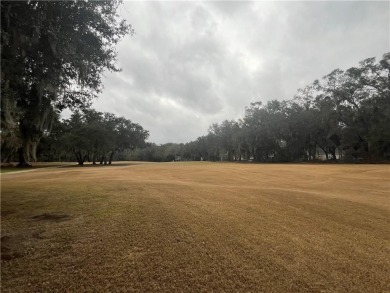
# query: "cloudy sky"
(191, 64)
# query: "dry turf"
(197, 227)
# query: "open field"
(197, 227)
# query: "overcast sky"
(191, 64)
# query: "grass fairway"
(197, 227)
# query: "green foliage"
(93, 136)
(53, 54)
(346, 115)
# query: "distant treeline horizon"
(344, 116)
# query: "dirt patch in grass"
(6, 213)
(9, 249)
(54, 217)
(198, 227)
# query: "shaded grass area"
(197, 227)
(8, 168)
(12, 167)
(98, 165)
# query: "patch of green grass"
(9, 169)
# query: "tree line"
(344, 116)
(91, 136)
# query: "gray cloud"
(191, 64)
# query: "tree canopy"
(90, 135)
(53, 54)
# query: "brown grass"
(197, 227)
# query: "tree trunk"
(333, 153)
(33, 150)
(325, 152)
(22, 158)
(111, 156)
(312, 153)
(79, 158)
